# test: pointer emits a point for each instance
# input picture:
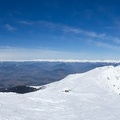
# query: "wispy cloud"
(63, 28)
(67, 29)
(38, 24)
(110, 27)
(25, 22)
(73, 30)
(10, 27)
(105, 45)
(84, 32)
(116, 21)
(48, 24)
(103, 37)
(116, 40)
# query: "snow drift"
(93, 95)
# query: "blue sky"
(59, 29)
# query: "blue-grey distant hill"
(40, 73)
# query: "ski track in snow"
(93, 95)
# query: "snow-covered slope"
(89, 96)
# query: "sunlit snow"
(93, 95)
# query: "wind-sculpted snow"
(110, 79)
(86, 96)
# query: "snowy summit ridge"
(86, 96)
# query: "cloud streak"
(67, 29)
(9, 27)
(86, 33)
(25, 22)
(106, 45)
(64, 28)
(96, 37)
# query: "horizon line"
(61, 60)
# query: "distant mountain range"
(14, 73)
(62, 60)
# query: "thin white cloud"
(117, 40)
(9, 27)
(66, 29)
(48, 24)
(116, 21)
(102, 37)
(110, 27)
(72, 30)
(87, 33)
(106, 45)
(39, 23)
(25, 22)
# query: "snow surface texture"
(93, 95)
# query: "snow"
(87, 96)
